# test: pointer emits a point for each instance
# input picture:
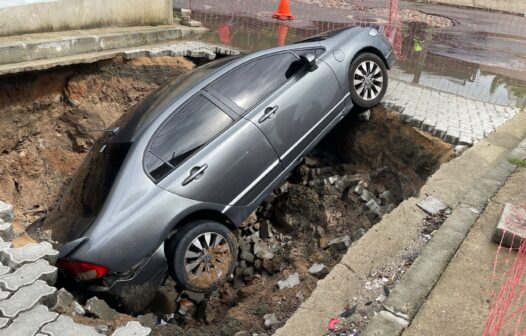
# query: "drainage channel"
(362, 170)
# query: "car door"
(203, 153)
(288, 103)
(293, 117)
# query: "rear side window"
(184, 134)
(250, 83)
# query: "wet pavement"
(482, 56)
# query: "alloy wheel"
(368, 80)
(207, 258)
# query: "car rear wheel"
(367, 80)
(201, 256)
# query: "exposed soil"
(47, 119)
(361, 171)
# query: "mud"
(47, 118)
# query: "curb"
(417, 283)
(464, 184)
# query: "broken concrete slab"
(132, 328)
(99, 308)
(65, 326)
(6, 231)
(432, 205)
(511, 228)
(340, 243)
(292, 281)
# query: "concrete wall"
(31, 16)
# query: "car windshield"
(89, 188)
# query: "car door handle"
(269, 113)
(195, 173)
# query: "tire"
(367, 80)
(195, 266)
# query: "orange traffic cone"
(282, 34)
(283, 12)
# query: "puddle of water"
(427, 57)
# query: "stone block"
(100, 309)
(26, 298)
(65, 326)
(16, 257)
(27, 274)
(133, 328)
(511, 228)
(30, 322)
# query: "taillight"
(83, 271)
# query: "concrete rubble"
(29, 302)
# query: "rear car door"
(288, 103)
(203, 153)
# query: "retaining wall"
(34, 16)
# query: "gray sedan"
(164, 189)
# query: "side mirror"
(310, 61)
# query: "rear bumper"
(132, 290)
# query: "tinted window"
(252, 82)
(184, 134)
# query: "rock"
(248, 273)
(300, 296)
(366, 196)
(312, 161)
(258, 264)
(270, 320)
(245, 255)
(340, 243)
(255, 237)
(324, 242)
(262, 251)
(319, 270)
(242, 333)
(265, 231)
(194, 296)
(432, 205)
(100, 309)
(292, 281)
(364, 116)
(148, 320)
(387, 197)
(374, 207)
(78, 309)
(7, 213)
(64, 301)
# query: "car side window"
(184, 134)
(250, 83)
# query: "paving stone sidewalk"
(457, 120)
(27, 293)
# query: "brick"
(27, 274)
(65, 326)
(30, 322)
(26, 298)
(133, 328)
(6, 231)
(7, 213)
(16, 257)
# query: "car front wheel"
(201, 256)
(367, 80)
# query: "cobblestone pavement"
(29, 303)
(457, 120)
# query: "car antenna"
(113, 131)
